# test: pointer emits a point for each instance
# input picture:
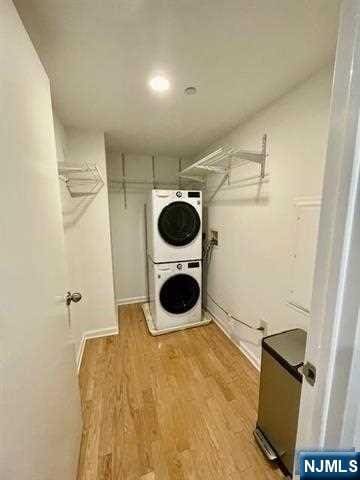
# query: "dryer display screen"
(193, 265)
(179, 294)
(179, 223)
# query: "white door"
(329, 408)
(40, 420)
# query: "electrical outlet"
(214, 237)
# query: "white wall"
(127, 225)
(87, 239)
(251, 268)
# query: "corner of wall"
(91, 334)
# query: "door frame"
(333, 337)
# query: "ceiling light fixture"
(190, 91)
(159, 84)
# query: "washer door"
(179, 223)
(179, 294)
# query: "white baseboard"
(253, 359)
(103, 332)
(130, 300)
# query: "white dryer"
(175, 293)
(174, 220)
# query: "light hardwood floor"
(179, 406)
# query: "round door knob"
(73, 297)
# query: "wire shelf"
(81, 181)
(124, 184)
(222, 161)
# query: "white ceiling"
(240, 54)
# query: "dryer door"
(179, 223)
(179, 293)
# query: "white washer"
(174, 220)
(175, 293)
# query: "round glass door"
(179, 294)
(179, 223)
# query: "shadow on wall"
(242, 201)
(75, 208)
(229, 196)
(71, 217)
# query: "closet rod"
(139, 181)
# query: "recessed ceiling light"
(190, 91)
(159, 83)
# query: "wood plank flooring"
(180, 406)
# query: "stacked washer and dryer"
(174, 251)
